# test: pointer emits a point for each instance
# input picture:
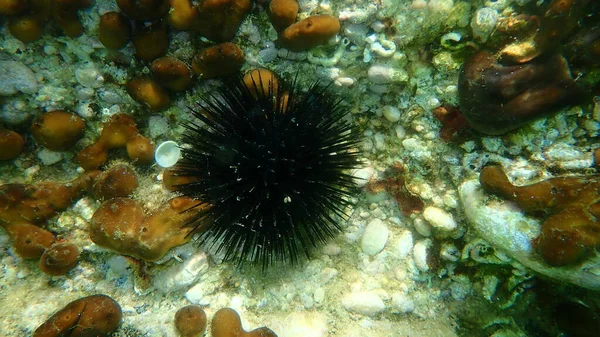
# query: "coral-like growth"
(271, 166)
(226, 323)
(96, 315)
(571, 232)
(310, 32)
(221, 60)
(190, 321)
(118, 132)
(120, 224)
(58, 130)
(496, 98)
(11, 144)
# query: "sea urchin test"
(270, 162)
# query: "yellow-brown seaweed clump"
(571, 233)
(226, 323)
(190, 321)
(57, 130)
(96, 315)
(121, 225)
(310, 32)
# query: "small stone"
(402, 303)
(366, 303)
(374, 237)
(404, 245)
(48, 157)
(391, 113)
(363, 175)
(440, 219)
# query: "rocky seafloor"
(425, 250)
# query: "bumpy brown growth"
(226, 323)
(121, 225)
(219, 20)
(58, 130)
(190, 321)
(118, 132)
(118, 181)
(171, 73)
(224, 59)
(572, 230)
(283, 13)
(114, 31)
(96, 315)
(497, 98)
(310, 32)
(148, 92)
(59, 258)
(11, 144)
(30, 241)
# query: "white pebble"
(374, 237)
(363, 175)
(420, 252)
(366, 303)
(391, 113)
(404, 245)
(319, 295)
(440, 219)
(89, 77)
(48, 157)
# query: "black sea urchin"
(270, 164)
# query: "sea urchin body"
(271, 162)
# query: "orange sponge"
(310, 32)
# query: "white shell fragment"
(504, 226)
(167, 154)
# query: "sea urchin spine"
(271, 163)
